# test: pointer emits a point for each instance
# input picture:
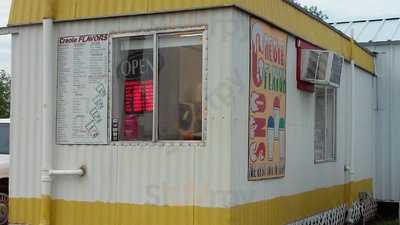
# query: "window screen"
(325, 124)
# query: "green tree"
(313, 10)
(5, 91)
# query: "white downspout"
(349, 162)
(350, 156)
(47, 120)
(353, 121)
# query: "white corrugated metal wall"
(158, 174)
(302, 174)
(382, 36)
(364, 104)
(25, 142)
(387, 180)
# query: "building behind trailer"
(382, 36)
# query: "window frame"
(334, 124)
(155, 34)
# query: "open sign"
(138, 65)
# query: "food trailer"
(187, 112)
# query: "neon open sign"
(138, 65)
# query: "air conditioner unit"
(323, 68)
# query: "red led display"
(138, 96)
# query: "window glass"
(132, 80)
(319, 132)
(180, 86)
(330, 152)
(4, 138)
(176, 113)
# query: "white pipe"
(79, 172)
(47, 105)
(353, 119)
(350, 156)
(47, 120)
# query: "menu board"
(267, 122)
(82, 89)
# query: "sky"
(337, 10)
(343, 10)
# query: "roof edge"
(270, 12)
(210, 8)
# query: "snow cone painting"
(267, 102)
(271, 132)
(282, 138)
(277, 109)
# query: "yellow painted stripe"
(283, 210)
(276, 12)
(45, 210)
(278, 211)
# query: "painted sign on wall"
(267, 122)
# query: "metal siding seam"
(395, 31)
(113, 5)
(34, 124)
(395, 165)
(23, 166)
(60, 13)
(15, 13)
(12, 14)
(347, 30)
(25, 11)
(126, 5)
(13, 110)
(14, 116)
(362, 30)
(102, 5)
(85, 8)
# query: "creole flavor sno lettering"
(272, 77)
(84, 38)
(256, 71)
(271, 49)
